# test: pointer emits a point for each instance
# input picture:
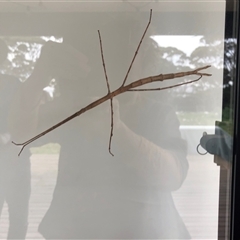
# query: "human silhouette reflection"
(97, 195)
(14, 172)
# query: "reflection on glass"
(156, 186)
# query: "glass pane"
(66, 183)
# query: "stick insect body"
(123, 88)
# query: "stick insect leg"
(109, 91)
(138, 47)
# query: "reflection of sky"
(186, 44)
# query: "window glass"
(131, 168)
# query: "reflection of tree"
(200, 95)
(210, 53)
(227, 61)
(175, 56)
(229, 76)
(23, 54)
(166, 59)
(193, 97)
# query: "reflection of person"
(97, 195)
(14, 172)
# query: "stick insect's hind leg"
(109, 91)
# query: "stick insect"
(123, 88)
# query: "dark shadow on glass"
(14, 172)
